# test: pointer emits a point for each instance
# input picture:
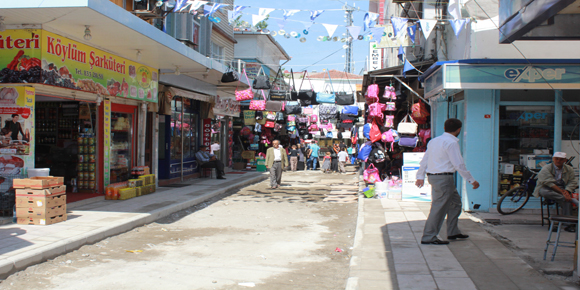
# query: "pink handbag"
(376, 110)
(258, 105)
(307, 111)
(389, 121)
(371, 174)
(246, 94)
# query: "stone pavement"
(25, 245)
(387, 254)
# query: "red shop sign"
(24, 112)
(206, 123)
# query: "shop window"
(183, 126)
(176, 129)
(527, 95)
(217, 52)
(121, 146)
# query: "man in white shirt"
(342, 158)
(442, 159)
(215, 148)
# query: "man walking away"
(294, 154)
(342, 158)
(208, 160)
(276, 160)
(315, 149)
(440, 162)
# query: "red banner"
(24, 112)
(206, 131)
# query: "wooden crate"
(38, 182)
(40, 221)
(41, 192)
(40, 200)
(40, 212)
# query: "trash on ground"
(134, 251)
(247, 284)
(339, 250)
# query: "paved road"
(273, 239)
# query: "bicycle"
(516, 198)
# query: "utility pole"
(348, 10)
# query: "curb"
(21, 261)
(352, 281)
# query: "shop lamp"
(2, 25)
(87, 36)
(138, 55)
(177, 72)
(99, 100)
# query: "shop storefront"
(515, 113)
(179, 134)
(226, 109)
(83, 107)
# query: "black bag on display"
(280, 118)
(279, 95)
(344, 99)
(259, 115)
(275, 106)
(293, 108)
(306, 97)
(261, 82)
(230, 76)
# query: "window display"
(121, 145)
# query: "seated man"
(556, 181)
(207, 160)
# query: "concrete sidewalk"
(387, 254)
(24, 245)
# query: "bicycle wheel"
(513, 200)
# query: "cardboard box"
(518, 170)
(503, 188)
(542, 151)
(541, 161)
(528, 161)
(38, 182)
(505, 178)
(40, 212)
(40, 221)
(127, 193)
(40, 192)
(506, 168)
(40, 201)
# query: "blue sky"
(306, 53)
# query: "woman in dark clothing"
(333, 157)
(294, 154)
(301, 158)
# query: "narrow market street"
(275, 239)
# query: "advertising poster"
(39, 56)
(107, 142)
(410, 192)
(226, 106)
(17, 133)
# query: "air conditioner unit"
(144, 8)
(182, 27)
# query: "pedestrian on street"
(334, 149)
(276, 160)
(326, 163)
(441, 161)
(294, 154)
(301, 158)
(342, 158)
(208, 160)
(313, 157)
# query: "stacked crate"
(148, 183)
(40, 200)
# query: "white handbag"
(407, 126)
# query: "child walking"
(326, 164)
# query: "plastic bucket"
(32, 172)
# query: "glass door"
(121, 146)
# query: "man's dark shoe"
(460, 236)
(220, 177)
(435, 242)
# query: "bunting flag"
(354, 31)
(407, 67)
(373, 16)
(180, 5)
(427, 26)
(281, 24)
(367, 22)
(238, 10)
(411, 30)
(211, 9)
(289, 13)
(401, 53)
(330, 28)
(306, 24)
(196, 5)
(458, 25)
(454, 9)
(399, 25)
(257, 18)
(377, 33)
(265, 11)
(314, 14)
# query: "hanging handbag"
(307, 111)
(280, 117)
(293, 108)
(277, 127)
(375, 133)
(270, 124)
(389, 121)
(260, 114)
(329, 134)
(271, 116)
(371, 174)
(407, 126)
(293, 92)
(327, 97)
(258, 105)
(327, 112)
(230, 76)
(278, 94)
(350, 110)
(275, 106)
(408, 141)
(390, 93)
(307, 97)
(261, 82)
(246, 94)
(345, 98)
(372, 94)
(391, 106)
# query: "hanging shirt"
(443, 156)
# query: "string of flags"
(367, 31)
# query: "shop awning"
(115, 30)
(192, 95)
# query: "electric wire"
(323, 59)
